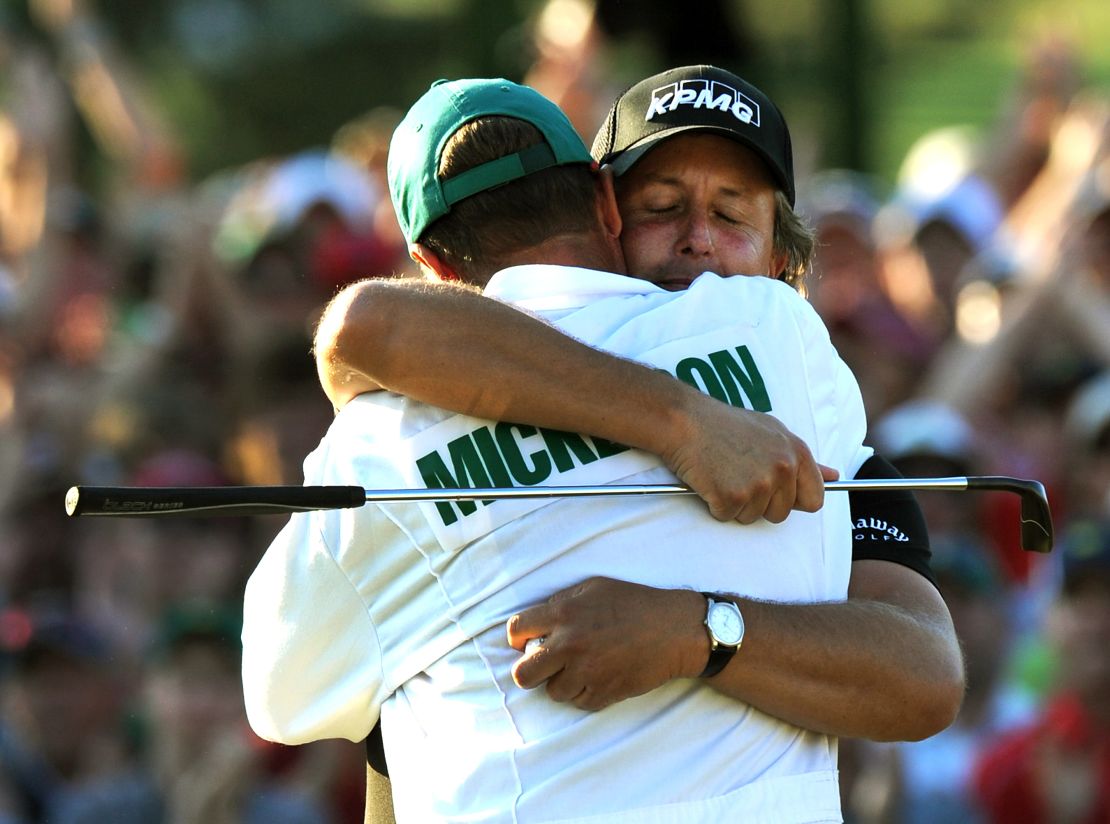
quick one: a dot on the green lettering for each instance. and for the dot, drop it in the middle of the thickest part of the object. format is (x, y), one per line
(469, 472)
(701, 376)
(560, 445)
(435, 474)
(488, 458)
(739, 378)
(526, 475)
(491, 457)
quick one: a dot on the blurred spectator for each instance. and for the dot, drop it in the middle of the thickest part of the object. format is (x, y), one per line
(1058, 769)
(1087, 461)
(365, 142)
(928, 439)
(62, 742)
(930, 781)
(293, 232)
(298, 229)
(202, 763)
(129, 571)
(1040, 322)
(188, 757)
(846, 291)
(1030, 114)
(943, 215)
(35, 542)
(569, 65)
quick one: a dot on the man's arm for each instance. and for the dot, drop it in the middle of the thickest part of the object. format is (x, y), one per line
(849, 669)
(446, 345)
(433, 342)
(885, 665)
(311, 664)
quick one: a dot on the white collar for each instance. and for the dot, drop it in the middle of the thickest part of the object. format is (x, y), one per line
(547, 287)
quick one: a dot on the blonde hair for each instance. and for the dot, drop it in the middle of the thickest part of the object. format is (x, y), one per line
(795, 239)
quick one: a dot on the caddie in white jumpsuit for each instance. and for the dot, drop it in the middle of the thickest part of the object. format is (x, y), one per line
(401, 608)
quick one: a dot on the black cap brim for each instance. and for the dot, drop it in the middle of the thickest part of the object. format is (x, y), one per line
(628, 158)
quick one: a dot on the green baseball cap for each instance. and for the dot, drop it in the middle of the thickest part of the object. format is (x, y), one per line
(419, 196)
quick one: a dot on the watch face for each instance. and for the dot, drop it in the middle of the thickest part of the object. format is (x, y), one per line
(726, 624)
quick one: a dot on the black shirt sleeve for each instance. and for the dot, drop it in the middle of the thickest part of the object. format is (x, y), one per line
(375, 750)
(888, 525)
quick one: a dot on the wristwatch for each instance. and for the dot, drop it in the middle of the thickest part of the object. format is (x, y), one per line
(725, 626)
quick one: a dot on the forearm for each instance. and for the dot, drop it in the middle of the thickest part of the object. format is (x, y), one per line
(455, 348)
(884, 665)
(967, 375)
(863, 669)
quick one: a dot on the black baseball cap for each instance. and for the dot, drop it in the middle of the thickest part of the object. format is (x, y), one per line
(695, 98)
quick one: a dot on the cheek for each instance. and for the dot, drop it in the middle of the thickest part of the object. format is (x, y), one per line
(645, 249)
(741, 255)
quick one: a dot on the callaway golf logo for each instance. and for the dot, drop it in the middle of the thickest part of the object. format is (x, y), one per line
(703, 94)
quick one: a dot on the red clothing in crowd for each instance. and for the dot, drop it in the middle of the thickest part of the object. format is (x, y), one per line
(1063, 760)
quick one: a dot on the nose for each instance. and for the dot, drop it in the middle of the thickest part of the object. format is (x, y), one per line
(697, 236)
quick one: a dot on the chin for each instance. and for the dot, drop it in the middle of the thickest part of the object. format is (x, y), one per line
(675, 284)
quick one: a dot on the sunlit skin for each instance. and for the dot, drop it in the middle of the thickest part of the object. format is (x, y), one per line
(698, 203)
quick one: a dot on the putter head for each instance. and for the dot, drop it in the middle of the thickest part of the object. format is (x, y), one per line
(1036, 518)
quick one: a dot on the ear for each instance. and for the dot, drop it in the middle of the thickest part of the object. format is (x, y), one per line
(778, 264)
(432, 264)
(609, 213)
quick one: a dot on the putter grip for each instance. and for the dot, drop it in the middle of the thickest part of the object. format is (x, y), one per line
(122, 501)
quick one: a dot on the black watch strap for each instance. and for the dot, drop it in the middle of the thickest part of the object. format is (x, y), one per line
(718, 657)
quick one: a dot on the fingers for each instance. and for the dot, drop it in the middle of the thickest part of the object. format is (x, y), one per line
(811, 482)
(527, 631)
(757, 506)
(589, 701)
(782, 487)
(603, 640)
(795, 482)
(538, 664)
(526, 625)
(761, 471)
(785, 498)
(545, 633)
(565, 688)
(565, 685)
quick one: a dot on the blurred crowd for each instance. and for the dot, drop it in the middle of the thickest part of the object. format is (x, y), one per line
(156, 332)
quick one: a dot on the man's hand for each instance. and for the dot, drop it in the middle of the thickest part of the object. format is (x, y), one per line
(606, 640)
(745, 465)
(885, 665)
